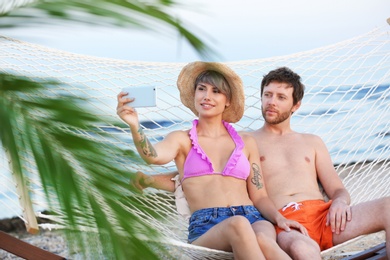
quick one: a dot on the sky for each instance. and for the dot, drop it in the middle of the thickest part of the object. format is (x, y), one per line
(238, 30)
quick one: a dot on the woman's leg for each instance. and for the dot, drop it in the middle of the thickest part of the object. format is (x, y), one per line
(232, 234)
(266, 239)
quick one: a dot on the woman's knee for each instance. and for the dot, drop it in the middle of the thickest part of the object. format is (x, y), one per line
(239, 225)
(264, 237)
(265, 241)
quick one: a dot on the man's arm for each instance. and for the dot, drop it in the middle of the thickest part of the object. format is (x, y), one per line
(339, 212)
(140, 181)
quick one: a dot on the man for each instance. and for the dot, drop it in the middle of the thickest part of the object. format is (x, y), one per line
(292, 165)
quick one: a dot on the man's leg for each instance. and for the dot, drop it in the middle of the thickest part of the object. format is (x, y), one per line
(299, 246)
(367, 217)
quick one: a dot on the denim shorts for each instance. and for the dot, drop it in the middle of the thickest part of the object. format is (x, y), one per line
(204, 219)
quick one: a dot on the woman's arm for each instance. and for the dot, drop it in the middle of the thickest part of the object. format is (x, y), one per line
(255, 182)
(258, 193)
(164, 181)
(162, 152)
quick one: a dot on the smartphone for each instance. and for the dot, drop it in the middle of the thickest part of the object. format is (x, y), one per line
(144, 96)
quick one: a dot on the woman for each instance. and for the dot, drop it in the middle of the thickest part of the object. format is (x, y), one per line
(219, 168)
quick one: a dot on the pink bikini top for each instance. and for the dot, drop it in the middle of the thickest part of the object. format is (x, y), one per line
(198, 164)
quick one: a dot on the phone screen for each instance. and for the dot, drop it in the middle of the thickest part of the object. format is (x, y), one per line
(144, 96)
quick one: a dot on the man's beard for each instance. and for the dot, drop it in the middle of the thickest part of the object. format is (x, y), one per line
(279, 119)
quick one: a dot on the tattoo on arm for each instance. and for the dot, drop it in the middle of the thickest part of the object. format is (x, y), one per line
(145, 144)
(257, 178)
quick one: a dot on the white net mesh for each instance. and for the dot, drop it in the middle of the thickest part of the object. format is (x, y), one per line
(347, 103)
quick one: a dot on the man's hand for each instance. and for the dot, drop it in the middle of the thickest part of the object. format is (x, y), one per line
(338, 216)
(287, 224)
(140, 181)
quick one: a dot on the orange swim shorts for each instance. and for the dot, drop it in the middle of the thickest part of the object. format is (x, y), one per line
(312, 215)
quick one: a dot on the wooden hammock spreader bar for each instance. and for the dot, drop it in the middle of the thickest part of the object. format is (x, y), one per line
(25, 250)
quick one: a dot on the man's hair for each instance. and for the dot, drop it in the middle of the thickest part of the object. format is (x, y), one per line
(217, 80)
(285, 75)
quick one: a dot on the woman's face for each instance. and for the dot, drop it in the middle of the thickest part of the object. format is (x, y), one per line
(209, 100)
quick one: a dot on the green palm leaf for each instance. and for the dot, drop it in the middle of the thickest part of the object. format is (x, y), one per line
(147, 15)
(83, 182)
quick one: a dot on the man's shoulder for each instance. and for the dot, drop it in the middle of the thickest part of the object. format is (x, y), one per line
(307, 135)
(246, 135)
(260, 133)
(252, 133)
(310, 136)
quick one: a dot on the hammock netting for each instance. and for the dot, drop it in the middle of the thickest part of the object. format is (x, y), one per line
(347, 103)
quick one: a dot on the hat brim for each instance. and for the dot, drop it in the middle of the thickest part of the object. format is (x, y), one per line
(186, 85)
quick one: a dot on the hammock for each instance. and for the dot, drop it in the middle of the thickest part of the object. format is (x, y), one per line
(347, 103)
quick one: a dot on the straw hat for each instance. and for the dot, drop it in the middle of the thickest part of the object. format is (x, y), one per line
(186, 85)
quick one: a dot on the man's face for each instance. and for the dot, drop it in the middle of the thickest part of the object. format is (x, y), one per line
(277, 102)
